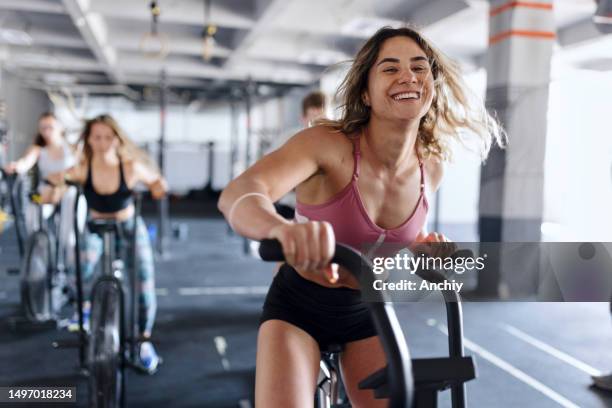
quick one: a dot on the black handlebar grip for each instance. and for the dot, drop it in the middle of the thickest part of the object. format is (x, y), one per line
(271, 250)
(72, 183)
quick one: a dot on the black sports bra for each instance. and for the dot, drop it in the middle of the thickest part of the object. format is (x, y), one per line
(107, 203)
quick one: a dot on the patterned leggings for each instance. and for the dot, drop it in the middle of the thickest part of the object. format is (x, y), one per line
(91, 251)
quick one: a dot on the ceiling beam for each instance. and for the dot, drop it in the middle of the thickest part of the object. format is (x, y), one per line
(187, 12)
(423, 12)
(265, 13)
(55, 38)
(134, 65)
(93, 29)
(23, 58)
(40, 6)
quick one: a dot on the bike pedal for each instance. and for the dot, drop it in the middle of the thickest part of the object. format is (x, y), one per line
(61, 344)
(25, 324)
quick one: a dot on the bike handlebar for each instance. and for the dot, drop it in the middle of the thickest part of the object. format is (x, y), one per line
(399, 364)
(401, 380)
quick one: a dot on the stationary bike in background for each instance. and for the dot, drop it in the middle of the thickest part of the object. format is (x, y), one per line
(11, 193)
(47, 258)
(111, 343)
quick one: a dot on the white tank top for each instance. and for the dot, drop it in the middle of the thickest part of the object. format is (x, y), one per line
(48, 165)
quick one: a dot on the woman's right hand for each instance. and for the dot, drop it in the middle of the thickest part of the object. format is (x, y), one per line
(159, 189)
(308, 247)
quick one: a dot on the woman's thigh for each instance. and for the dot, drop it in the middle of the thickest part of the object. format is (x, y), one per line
(358, 360)
(287, 366)
(91, 251)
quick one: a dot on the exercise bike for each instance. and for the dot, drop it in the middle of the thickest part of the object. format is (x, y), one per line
(330, 391)
(45, 289)
(44, 285)
(111, 344)
(406, 383)
(11, 192)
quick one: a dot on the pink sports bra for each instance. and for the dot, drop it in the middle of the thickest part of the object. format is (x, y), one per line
(350, 220)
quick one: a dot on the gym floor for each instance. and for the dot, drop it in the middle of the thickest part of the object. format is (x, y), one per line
(209, 300)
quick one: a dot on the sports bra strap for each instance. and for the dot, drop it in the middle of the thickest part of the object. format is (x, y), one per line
(122, 181)
(89, 180)
(356, 158)
(422, 170)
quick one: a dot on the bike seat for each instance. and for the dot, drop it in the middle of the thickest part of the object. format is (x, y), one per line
(332, 348)
(98, 226)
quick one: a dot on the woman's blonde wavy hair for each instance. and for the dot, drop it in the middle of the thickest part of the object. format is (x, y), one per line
(127, 150)
(451, 112)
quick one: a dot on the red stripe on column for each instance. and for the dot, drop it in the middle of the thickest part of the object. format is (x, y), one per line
(515, 4)
(547, 35)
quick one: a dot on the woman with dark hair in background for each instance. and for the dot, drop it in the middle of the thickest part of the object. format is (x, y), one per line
(53, 156)
(360, 180)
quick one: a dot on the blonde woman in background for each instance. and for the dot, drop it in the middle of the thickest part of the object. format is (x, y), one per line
(110, 166)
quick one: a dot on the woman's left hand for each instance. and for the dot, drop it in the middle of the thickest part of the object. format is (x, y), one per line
(159, 189)
(433, 244)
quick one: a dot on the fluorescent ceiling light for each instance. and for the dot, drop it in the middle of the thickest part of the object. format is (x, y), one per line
(15, 37)
(602, 19)
(35, 59)
(59, 78)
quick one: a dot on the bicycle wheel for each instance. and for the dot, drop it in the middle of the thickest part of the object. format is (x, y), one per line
(104, 349)
(36, 278)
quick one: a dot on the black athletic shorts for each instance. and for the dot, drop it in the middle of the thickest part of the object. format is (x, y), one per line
(329, 315)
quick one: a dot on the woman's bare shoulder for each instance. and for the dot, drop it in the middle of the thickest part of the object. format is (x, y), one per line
(322, 139)
(133, 168)
(129, 163)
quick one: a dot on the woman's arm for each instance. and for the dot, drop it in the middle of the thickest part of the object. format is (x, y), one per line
(246, 202)
(77, 173)
(53, 192)
(152, 179)
(26, 162)
(70, 161)
(57, 179)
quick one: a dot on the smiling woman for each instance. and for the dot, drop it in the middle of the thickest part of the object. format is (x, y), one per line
(361, 180)
(449, 110)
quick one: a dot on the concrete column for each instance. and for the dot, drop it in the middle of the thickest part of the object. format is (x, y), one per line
(521, 38)
(23, 106)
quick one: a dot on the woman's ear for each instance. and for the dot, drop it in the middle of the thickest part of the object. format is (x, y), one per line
(366, 99)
